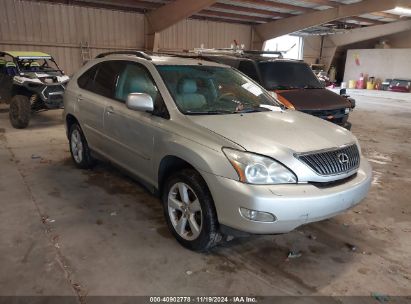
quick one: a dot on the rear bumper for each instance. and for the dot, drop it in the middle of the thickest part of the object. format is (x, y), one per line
(292, 205)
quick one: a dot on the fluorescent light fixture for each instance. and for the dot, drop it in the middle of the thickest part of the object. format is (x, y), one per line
(403, 11)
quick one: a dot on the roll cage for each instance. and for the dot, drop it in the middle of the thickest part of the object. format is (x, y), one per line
(29, 57)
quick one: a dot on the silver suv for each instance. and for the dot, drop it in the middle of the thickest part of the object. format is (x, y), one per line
(225, 158)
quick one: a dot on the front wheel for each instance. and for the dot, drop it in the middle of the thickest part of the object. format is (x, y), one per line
(80, 152)
(189, 211)
(20, 111)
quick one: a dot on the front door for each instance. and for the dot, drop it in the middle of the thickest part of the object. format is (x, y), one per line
(132, 134)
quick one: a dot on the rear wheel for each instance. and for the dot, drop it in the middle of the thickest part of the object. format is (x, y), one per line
(20, 111)
(80, 152)
(189, 211)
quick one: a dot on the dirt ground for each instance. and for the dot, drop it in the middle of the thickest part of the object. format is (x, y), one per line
(70, 232)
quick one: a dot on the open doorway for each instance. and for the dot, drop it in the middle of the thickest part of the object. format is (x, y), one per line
(292, 46)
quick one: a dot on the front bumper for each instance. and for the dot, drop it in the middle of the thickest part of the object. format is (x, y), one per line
(293, 205)
(347, 125)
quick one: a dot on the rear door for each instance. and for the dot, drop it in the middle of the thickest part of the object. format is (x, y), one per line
(97, 87)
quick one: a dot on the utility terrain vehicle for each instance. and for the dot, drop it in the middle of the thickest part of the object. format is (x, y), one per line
(30, 82)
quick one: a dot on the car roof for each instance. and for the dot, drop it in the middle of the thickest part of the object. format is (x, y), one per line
(174, 60)
(171, 60)
(27, 54)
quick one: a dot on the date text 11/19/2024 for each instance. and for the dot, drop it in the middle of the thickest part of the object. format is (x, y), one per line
(203, 299)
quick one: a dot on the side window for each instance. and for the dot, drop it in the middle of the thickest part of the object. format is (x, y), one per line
(102, 78)
(106, 78)
(86, 81)
(135, 78)
(248, 68)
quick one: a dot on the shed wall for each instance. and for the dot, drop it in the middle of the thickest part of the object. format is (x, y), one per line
(60, 30)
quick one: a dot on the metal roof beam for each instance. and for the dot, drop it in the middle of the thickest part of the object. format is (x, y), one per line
(250, 18)
(370, 32)
(335, 4)
(276, 5)
(245, 10)
(173, 12)
(289, 25)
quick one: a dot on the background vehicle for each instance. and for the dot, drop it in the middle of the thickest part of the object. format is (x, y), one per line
(400, 85)
(30, 82)
(293, 82)
(217, 147)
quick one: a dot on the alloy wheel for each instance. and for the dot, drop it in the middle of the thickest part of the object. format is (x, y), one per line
(77, 146)
(185, 211)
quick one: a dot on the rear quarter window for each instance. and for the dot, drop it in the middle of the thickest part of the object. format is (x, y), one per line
(86, 81)
(102, 78)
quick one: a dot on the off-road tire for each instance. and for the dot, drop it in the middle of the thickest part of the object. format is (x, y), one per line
(20, 111)
(87, 161)
(209, 235)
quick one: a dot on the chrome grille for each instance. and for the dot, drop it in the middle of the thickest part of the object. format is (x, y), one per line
(332, 162)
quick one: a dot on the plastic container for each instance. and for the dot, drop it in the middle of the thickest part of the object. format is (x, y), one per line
(352, 84)
(370, 85)
(361, 82)
(343, 85)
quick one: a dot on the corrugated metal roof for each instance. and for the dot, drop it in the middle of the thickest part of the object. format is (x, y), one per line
(251, 11)
(251, 5)
(297, 3)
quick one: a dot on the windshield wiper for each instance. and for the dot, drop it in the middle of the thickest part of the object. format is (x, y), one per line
(252, 110)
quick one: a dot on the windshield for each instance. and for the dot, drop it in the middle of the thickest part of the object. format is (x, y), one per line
(288, 75)
(43, 65)
(400, 83)
(214, 90)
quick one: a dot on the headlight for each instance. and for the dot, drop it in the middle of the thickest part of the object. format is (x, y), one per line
(256, 169)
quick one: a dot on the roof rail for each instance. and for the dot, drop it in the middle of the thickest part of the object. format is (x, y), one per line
(139, 54)
(264, 53)
(236, 52)
(186, 55)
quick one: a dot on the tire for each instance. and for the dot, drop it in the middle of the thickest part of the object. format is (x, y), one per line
(180, 216)
(20, 111)
(80, 152)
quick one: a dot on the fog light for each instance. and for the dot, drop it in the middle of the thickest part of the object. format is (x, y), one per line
(257, 216)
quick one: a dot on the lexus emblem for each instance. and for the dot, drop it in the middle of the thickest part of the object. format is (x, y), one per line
(343, 158)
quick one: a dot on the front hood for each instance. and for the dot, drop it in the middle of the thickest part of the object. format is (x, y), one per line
(271, 133)
(314, 99)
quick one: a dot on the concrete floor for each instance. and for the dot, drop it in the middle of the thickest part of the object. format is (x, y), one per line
(70, 232)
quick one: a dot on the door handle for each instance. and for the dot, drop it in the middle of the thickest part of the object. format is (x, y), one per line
(110, 110)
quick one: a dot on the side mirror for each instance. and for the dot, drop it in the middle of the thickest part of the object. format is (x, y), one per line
(140, 102)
